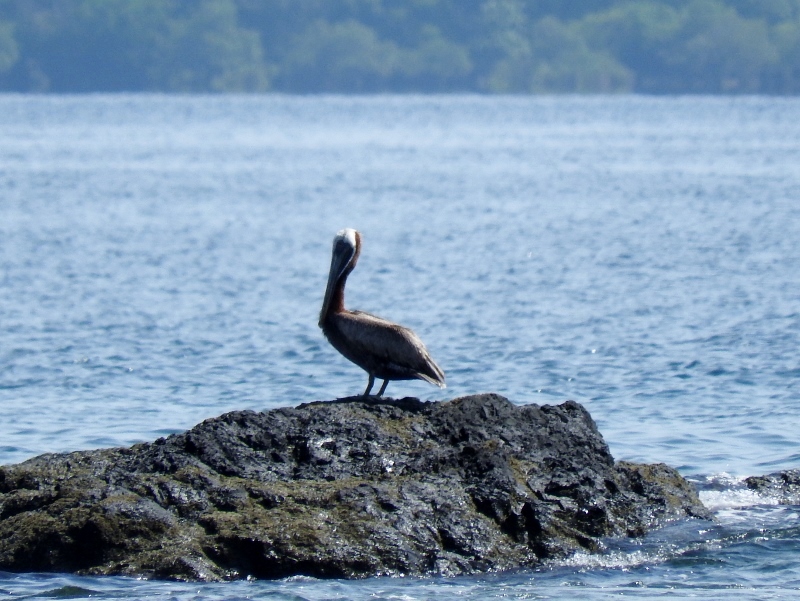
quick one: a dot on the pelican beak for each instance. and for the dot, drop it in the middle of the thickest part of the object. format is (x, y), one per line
(340, 259)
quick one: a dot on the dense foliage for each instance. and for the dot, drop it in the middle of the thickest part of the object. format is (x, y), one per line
(655, 46)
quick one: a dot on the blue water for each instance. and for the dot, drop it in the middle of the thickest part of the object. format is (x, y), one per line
(163, 259)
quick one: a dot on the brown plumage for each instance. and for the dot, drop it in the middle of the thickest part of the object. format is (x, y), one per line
(383, 349)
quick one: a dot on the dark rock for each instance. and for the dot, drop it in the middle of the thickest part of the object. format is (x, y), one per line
(349, 488)
(781, 486)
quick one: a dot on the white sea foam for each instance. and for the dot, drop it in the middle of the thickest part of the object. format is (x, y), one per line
(615, 559)
(717, 500)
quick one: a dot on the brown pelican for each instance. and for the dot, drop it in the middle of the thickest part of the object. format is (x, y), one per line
(383, 349)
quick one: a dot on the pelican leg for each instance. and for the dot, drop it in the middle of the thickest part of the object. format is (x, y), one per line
(369, 385)
(385, 384)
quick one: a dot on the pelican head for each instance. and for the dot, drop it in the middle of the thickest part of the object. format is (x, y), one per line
(346, 248)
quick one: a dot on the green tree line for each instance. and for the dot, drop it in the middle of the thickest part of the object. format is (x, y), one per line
(360, 46)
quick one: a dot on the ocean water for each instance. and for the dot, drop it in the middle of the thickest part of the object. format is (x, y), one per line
(163, 259)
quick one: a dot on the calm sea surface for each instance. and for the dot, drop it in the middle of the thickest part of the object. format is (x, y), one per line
(163, 259)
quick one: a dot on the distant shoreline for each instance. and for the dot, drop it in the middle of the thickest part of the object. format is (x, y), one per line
(442, 46)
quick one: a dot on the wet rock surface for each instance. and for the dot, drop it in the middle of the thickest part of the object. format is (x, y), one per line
(349, 488)
(781, 486)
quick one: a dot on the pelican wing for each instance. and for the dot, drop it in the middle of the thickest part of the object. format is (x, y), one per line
(389, 344)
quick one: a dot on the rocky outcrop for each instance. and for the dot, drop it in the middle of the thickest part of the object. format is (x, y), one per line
(783, 487)
(348, 488)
